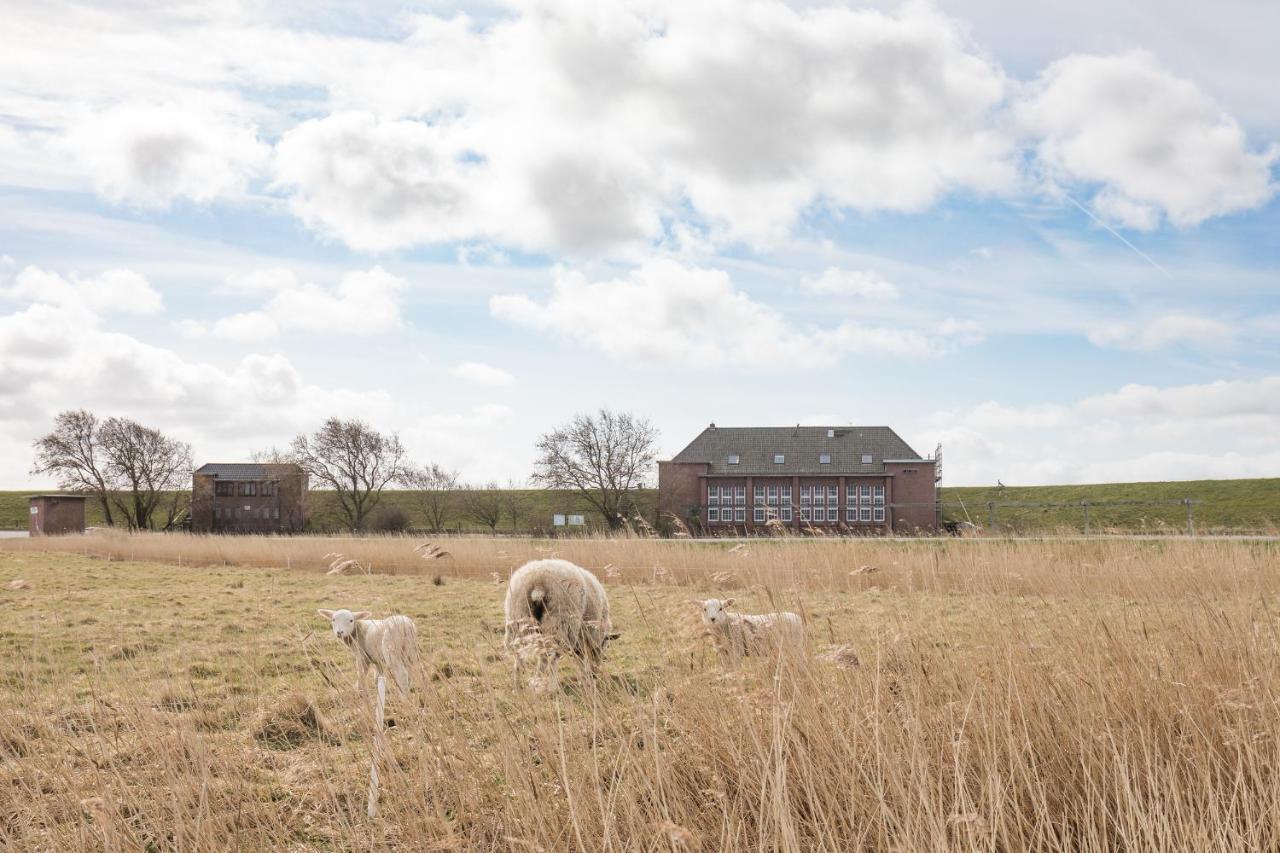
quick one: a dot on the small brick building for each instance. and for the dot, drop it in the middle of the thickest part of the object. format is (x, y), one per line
(243, 497)
(854, 479)
(56, 515)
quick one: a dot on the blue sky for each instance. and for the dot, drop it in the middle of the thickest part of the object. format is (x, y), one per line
(1044, 239)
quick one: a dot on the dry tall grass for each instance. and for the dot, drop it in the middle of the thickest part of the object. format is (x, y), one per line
(1010, 696)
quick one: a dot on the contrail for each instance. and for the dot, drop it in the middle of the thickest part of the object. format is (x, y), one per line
(1118, 235)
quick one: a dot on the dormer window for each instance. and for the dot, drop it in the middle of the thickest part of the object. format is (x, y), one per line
(779, 458)
(824, 459)
(866, 459)
(733, 459)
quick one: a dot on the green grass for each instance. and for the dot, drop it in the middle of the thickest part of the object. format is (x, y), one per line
(537, 508)
(1226, 505)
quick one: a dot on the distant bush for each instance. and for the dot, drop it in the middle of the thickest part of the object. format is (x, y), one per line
(390, 519)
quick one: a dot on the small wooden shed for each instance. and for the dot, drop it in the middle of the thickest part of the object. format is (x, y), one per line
(56, 515)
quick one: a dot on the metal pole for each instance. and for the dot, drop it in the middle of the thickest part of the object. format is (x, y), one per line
(991, 516)
(1085, 504)
(1191, 523)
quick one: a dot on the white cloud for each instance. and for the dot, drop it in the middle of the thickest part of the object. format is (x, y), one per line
(837, 282)
(1153, 144)
(114, 291)
(579, 127)
(1167, 331)
(247, 327)
(363, 303)
(665, 311)
(1215, 399)
(482, 374)
(150, 155)
(1138, 432)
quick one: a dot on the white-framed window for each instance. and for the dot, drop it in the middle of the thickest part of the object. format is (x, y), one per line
(851, 494)
(713, 496)
(866, 459)
(759, 490)
(779, 458)
(787, 514)
(757, 514)
(806, 514)
(865, 513)
(740, 495)
(864, 494)
(786, 496)
(773, 496)
(879, 513)
(713, 514)
(806, 495)
(739, 514)
(824, 458)
(878, 492)
(819, 496)
(733, 459)
(833, 495)
(833, 514)
(851, 513)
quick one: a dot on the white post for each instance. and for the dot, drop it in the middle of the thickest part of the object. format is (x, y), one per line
(377, 744)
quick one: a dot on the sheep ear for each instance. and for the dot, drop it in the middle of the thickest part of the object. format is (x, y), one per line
(728, 602)
(327, 614)
(363, 614)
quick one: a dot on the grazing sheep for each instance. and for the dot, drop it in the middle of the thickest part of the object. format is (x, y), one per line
(555, 607)
(739, 635)
(389, 645)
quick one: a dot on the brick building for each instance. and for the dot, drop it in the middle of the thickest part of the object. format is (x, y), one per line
(856, 479)
(243, 497)
(55, 515)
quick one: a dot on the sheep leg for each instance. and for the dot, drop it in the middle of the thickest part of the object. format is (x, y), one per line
(401, 673)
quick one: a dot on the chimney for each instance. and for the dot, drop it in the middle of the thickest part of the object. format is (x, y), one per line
(712, 427)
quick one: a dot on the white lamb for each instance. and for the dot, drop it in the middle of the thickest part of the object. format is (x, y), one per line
(739, 635)
(554, 607)
(388, 645)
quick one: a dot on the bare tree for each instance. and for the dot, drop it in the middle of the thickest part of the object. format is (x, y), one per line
(604, 457)
(145, 466)
(434, 495)
(72, 455)
(516, 503)
(132, 470)
(354, 460)
(484, 504)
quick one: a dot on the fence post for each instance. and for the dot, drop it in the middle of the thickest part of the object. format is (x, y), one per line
(1191, 522)
(991, 516)
(1085, 504)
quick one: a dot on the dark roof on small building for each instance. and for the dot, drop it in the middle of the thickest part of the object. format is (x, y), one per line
(801, 447)
(242, 470)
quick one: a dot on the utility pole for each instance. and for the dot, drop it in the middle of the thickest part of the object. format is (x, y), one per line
(1085, 504)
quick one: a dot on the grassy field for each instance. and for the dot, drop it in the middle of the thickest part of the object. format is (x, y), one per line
(1083, 695)
(1227, 505)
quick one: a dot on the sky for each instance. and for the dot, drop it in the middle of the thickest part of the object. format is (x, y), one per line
(1043, 236)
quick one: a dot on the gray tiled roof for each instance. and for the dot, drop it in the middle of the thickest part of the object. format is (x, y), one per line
(234, 470)
(801, 447)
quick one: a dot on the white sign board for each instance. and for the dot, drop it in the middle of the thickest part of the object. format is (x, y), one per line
(577, 520)
(35, 510)
(557, 520)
